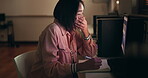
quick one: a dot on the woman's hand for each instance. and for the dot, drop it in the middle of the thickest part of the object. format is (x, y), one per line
(90, 64)
(81, 23)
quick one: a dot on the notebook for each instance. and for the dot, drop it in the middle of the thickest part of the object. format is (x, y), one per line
(104, 68)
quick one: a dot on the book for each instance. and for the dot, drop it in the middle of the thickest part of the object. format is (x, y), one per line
(103, 68)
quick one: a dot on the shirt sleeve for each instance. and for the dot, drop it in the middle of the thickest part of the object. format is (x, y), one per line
(52, 67)
(85, 47)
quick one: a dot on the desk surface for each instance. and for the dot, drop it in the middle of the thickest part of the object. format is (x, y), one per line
(122, 68)
(96, 75)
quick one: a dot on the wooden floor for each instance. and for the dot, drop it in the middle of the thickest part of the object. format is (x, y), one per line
(7, 66)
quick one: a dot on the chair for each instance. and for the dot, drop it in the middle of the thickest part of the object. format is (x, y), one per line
(23, 63)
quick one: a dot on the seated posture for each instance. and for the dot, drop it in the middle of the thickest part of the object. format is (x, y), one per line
(61, 42)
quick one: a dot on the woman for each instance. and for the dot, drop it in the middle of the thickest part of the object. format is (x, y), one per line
(61, 41)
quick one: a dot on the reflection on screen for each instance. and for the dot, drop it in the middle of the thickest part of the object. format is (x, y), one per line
(124, 34)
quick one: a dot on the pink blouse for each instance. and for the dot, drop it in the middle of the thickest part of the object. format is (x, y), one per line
(55, 51)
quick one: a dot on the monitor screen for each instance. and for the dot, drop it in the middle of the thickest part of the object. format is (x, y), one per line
(110, 37)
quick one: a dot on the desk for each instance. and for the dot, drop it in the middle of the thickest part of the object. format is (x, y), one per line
(96, 75)
(103, 72)
(122, 68)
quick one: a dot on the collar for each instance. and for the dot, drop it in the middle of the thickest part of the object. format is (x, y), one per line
(62, 29)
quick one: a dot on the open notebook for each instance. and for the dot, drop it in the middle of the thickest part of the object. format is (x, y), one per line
(104, 68)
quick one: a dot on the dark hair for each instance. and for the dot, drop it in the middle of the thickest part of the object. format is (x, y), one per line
(65, 12)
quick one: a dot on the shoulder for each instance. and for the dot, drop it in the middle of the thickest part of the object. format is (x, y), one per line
(52, 28)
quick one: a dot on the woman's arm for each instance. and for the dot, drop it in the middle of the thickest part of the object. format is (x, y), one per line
(86, 45)
(52, 67)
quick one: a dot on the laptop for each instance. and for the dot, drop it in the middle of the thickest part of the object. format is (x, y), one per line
(124, 34)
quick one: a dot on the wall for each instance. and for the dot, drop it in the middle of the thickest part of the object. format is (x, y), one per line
(130, 7)
(28, 7)
(29, 28)
(94, 8)
(28, 25)
(125, 6)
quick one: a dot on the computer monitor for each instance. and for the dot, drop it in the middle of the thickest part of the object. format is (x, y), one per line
(136, 30)
(116, 34)
(110, 37)
(135, 34)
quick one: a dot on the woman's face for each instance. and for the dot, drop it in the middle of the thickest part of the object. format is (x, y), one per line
(80, 11)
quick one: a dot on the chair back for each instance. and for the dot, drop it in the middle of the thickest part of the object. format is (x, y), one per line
(23, 63)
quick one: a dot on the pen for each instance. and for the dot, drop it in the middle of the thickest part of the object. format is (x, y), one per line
(87, 57)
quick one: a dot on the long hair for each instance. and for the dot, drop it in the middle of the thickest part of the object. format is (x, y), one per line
(65, 12)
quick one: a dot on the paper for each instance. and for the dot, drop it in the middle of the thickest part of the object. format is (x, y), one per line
(104, 68)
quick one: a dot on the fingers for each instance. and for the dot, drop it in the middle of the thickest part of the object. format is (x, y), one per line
(97, 65)
(79, 26)
(81, 23)
(81, 19)
(96, 59)
(98, 62)
(92, 64)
